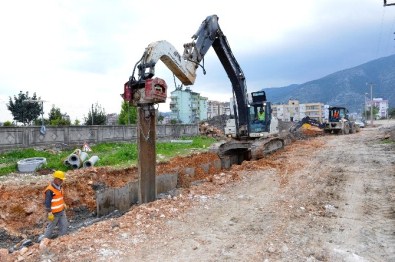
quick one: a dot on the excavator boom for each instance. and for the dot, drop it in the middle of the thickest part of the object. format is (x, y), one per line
(248, 132)
(184, 67)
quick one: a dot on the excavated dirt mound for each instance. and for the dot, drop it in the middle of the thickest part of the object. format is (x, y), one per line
(21, 195)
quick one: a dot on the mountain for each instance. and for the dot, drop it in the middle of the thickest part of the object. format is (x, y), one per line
(344, 88)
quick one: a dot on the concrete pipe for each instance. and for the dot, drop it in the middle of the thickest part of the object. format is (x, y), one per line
(66, 162)
(76, 160)
(73, 157)
(91, 162)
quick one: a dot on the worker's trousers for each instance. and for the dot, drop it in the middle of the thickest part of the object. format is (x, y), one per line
(60, 221)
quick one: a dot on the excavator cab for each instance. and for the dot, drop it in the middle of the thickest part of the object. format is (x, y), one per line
(337, 113)
(259, 114)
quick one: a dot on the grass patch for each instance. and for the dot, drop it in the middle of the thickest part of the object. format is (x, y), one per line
(387, 141)
(110, 154)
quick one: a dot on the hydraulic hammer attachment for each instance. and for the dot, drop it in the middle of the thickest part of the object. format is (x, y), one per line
(149, 91)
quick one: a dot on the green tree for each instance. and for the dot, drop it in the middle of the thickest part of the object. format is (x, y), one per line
(24, 108)
(160, 118)
(96, 116)
(128, 114)
(391, 113)
(77, 122)
(56, 118)
(39, 122)
(375, 112)
(8, 123)
(174, 121)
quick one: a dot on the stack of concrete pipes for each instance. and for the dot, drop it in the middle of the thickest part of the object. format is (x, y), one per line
(79, 159)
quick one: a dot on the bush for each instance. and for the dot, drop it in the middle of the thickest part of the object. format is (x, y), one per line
(8, 123)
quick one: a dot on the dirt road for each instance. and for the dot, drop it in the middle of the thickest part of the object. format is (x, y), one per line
(329, 198)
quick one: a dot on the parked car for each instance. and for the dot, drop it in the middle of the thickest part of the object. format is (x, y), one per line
(360, 123)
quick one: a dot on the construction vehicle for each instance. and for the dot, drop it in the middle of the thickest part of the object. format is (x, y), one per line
(338, 121)
(249, 138)
(306, 121)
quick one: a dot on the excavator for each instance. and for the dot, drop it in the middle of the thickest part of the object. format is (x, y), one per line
(249, 138)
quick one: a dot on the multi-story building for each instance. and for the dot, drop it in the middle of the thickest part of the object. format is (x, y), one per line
(315, 111)
(112, 119)
(294, 111)
(215, 108)
(287, 112)
(203, 101)
(187, 106)
(382, 106)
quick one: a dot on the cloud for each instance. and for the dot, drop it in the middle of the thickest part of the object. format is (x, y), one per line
(76, 53)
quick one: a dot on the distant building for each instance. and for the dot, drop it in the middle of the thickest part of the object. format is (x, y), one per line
(294, 111)
(313, 110)
(216, 108)
(66, 117)
(166, 120)
(203, 107)
(381, 104)
(112, 119)
(187, 106)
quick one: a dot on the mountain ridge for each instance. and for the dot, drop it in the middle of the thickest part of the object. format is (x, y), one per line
(346, 87)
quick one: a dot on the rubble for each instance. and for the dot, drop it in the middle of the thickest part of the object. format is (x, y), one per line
(287, 208)
(210, 130)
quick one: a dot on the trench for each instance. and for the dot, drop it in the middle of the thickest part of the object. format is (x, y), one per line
(116, 196)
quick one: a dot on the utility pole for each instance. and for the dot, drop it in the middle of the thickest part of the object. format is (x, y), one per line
(371, 104)
(92, 114)
(366, 106)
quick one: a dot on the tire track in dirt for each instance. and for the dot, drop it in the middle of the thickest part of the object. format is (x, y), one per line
(366, 214)
(379, 203)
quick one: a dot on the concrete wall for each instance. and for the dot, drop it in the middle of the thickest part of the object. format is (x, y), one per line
(24, 137)
(122, 198)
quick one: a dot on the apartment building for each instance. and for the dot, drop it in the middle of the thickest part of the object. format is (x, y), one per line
(216, 108)
(294, 111)
(187, 106)
(315, 111)
(382, 106)
(287, 112)
(112, 119)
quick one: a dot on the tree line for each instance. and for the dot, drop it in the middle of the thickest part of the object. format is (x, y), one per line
(28, 110)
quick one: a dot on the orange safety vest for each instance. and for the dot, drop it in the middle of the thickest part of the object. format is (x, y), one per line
(57, 203)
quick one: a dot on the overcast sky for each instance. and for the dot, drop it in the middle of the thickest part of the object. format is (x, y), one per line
(77, 53)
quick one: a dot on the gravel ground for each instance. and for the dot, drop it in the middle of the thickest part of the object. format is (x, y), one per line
(327, 198)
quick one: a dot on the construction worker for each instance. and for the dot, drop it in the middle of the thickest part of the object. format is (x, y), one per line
(55, 205)
(336, 114)
(261, 115)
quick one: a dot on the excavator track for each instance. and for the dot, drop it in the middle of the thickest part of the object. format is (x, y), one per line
(233, 151)
(237, 151)
(263, 147)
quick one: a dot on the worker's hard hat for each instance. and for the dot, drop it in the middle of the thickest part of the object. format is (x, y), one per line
(59, 174)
